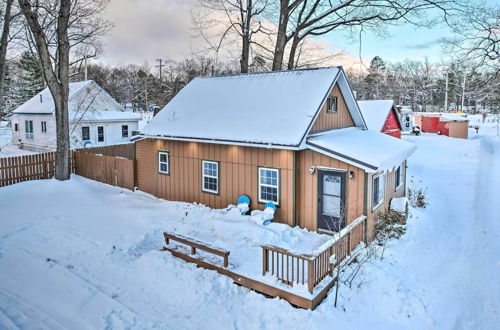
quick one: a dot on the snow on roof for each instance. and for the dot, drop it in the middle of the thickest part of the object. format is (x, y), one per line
(268, 108)
(367, 149)
(102, 115)
(82, 95)
(375, 112)
(454, 117)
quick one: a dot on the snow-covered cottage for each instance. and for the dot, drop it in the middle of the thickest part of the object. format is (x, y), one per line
(294, 138)
(381, 116)
(95, 118)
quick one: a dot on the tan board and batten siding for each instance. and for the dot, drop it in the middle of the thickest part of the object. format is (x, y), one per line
(342, 118)
(238, 168)
(238, 171)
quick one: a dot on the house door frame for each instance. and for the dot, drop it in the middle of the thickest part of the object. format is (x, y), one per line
(326, 222)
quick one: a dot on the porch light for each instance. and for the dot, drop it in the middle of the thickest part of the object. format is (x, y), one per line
(312, 169)
(351, 175)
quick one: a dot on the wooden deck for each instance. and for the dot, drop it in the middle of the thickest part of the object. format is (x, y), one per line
(257, 286)
(315, 271)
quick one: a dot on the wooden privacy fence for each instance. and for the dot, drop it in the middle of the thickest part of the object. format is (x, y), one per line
(115, 171)
(25, 168)
(292, 268)
(118, 150)
(111, 170)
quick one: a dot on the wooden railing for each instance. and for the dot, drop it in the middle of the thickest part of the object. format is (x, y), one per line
(196, 245)
(293, 268)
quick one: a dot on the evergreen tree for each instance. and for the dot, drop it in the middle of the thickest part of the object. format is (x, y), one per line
(30, 77)
(375, 78)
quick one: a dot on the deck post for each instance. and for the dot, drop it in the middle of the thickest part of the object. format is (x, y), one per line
(226, 260)
(264, 261)
(310, 275)
(193, 250)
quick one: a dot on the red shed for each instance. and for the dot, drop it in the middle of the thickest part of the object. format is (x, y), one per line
(381, 116)
(452, 125)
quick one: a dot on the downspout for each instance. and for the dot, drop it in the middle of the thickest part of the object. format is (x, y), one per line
(365, 208)
(294, 189)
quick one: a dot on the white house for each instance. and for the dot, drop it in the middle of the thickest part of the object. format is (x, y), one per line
(96, 119)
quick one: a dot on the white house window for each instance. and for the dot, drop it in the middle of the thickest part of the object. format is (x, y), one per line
(210, 176)
(44, 126)
(28, 126)
(85, 133)
(331, 104)
(100, 133)
(124, 131)
(164, 162)
(399, 176)
(268, 185)
(377, 190)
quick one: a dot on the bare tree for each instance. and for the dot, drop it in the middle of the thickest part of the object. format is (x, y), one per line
(299, 19)
(236, 17)
(55, 27)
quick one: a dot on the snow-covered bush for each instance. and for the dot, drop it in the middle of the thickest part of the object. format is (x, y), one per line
(416, 195)
(390, 224)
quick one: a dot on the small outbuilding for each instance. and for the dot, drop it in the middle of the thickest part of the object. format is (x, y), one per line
(381, 116)
(449, 124)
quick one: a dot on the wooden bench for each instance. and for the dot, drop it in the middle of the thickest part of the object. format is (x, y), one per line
(196, 245)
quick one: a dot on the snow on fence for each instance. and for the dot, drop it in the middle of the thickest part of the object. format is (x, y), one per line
(118, 172)
(292, 268)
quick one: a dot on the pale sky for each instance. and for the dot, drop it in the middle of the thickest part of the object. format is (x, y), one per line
(146, 30)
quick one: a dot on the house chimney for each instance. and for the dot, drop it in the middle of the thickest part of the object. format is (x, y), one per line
(41, 98)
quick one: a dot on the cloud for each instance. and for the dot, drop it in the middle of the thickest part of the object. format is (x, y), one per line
(428, 44)
(146, 30)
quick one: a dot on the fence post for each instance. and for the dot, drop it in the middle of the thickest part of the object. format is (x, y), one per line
(366, 230)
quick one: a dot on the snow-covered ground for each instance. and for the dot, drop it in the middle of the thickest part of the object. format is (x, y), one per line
(81, 254)
(10, 150)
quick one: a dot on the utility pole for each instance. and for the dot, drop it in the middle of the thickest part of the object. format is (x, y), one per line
(463, 93)
(85, 64)
(446, 93)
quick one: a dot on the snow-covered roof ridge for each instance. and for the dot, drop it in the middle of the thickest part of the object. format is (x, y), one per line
(43, 103)
(375, 112)
(367, 149)
(268, 108)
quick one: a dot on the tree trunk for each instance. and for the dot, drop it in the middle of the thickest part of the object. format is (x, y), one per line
(281, 39)
(57, 78)
(245, 49)
(293, 52)
(4, 40)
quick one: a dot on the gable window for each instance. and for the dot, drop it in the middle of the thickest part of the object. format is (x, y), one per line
(331, 104)
(210, 176)
(269, 185)
(124, 131)
(100, 133)
(85, 133)
(377, 191)
(163, 162)
(44, 126)
(28, 128)
(16, 127)
(399, 176)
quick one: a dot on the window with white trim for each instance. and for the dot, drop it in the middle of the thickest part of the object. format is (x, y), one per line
(28, 127)
(124, 131)
(85, 133)
(331, 104)
(210, 176)
(164, 162)
(44, 126)
(377, 190)
(399, 176)
(269, 185)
